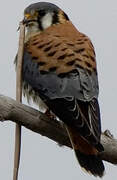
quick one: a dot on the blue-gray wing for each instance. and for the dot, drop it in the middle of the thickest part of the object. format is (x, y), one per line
(67, 82)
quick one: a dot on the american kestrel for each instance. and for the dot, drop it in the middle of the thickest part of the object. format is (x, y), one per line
(59, 67)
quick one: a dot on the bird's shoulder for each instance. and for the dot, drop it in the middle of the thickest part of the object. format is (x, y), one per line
(62, 48)
(64, 52)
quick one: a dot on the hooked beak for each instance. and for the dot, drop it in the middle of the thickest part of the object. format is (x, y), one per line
(28, 19)
(27, 22)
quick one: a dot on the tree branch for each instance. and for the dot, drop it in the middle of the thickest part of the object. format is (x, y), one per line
(53, 129)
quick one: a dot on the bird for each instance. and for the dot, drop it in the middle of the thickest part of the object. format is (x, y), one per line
(60, 73)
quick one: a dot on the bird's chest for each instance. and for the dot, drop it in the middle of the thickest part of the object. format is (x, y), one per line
(30, 83)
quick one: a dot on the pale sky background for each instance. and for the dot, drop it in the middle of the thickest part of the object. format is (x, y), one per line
(42, 158)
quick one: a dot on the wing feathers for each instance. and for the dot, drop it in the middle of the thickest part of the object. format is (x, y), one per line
(59, 65)
(86, 154)
(74, 114)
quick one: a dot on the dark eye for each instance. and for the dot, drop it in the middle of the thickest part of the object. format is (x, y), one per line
(42, 12)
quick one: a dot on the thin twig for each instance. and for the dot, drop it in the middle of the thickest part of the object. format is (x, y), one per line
(19, 99)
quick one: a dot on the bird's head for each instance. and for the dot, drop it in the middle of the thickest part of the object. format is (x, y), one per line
(41, 15)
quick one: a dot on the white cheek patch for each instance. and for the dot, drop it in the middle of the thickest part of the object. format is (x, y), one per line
(47, 20)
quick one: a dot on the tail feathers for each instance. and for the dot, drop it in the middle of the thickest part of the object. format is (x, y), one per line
(91, 163)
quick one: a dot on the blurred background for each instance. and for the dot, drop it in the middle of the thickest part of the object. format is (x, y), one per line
(42, 158)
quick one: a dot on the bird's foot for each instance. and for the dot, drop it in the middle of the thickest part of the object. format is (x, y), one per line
(50, 114)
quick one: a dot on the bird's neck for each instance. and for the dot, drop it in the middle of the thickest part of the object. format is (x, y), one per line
(31, 31)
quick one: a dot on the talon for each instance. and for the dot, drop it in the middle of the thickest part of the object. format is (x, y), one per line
(50, 114)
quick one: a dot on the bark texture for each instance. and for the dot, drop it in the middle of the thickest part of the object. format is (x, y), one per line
(10, 110)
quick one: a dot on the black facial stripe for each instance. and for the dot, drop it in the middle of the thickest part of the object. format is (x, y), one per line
(55, 18)
(42, 12)
(40, 23)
